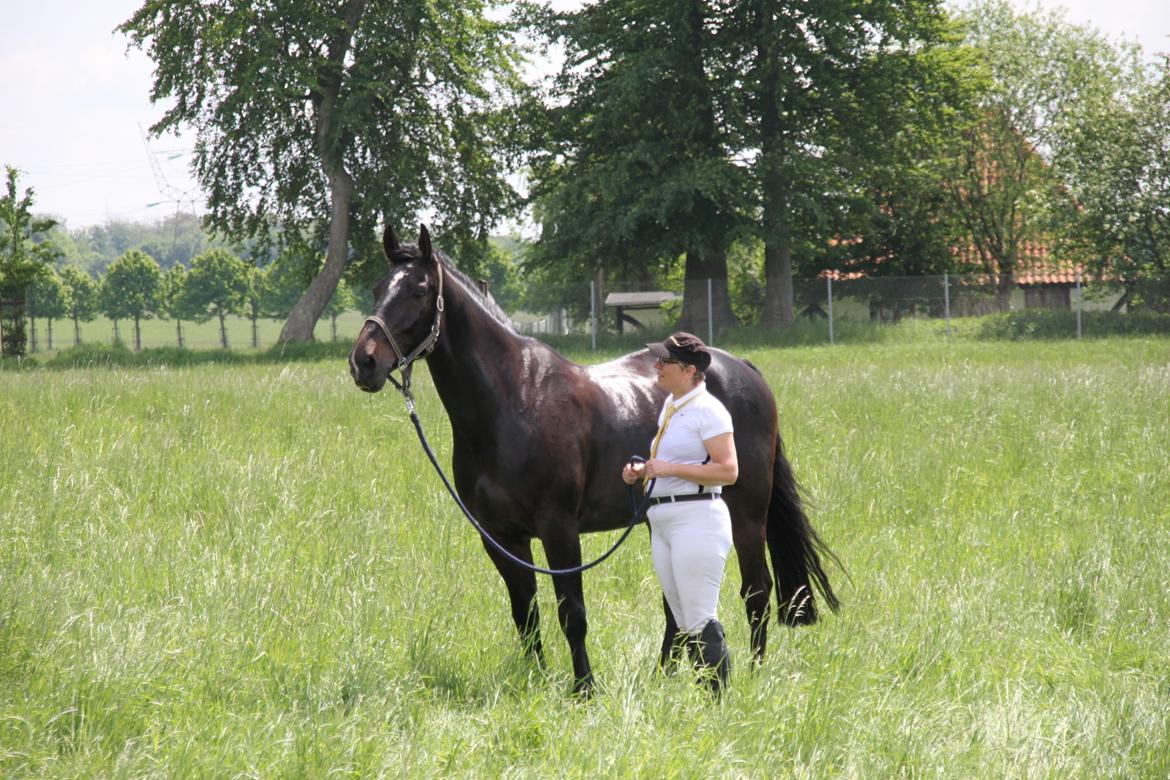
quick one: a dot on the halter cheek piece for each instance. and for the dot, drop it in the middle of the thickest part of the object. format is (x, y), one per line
(405, 361)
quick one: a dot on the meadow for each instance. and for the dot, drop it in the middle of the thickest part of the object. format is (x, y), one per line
(158, 333)
(250, 570)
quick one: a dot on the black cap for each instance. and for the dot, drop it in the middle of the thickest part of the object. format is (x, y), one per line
(683, 347)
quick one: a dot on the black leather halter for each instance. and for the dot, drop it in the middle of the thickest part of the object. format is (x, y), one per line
(405, 361)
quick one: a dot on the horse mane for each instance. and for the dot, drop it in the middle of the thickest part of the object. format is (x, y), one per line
(483, 299)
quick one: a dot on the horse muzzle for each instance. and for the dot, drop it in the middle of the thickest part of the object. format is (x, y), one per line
(367, 371)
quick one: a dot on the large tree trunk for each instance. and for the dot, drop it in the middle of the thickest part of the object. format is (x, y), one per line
(304, 315)
(1004, 287)
(778, 293)
(703, 313)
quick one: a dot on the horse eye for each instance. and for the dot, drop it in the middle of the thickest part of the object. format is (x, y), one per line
(419, 292)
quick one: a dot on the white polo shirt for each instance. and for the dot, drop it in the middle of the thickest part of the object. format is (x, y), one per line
(701, 417)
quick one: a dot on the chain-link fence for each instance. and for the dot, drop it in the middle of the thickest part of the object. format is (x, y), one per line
(825, 310)
(829, 308)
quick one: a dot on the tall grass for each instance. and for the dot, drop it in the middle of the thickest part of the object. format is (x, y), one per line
(249, 569)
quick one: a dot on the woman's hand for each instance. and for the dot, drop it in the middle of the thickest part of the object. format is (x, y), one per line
(632, 472)
(655, 468)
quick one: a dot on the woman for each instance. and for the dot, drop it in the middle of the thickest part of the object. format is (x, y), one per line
(691, 457)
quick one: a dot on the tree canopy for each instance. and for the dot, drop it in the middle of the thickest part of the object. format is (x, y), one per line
(682, 126)
(1039, 69)
(84, 297)
(22, 256)
(131, 289)
(1115, 163)
(328, 119)
(216, 286)
(25, 254)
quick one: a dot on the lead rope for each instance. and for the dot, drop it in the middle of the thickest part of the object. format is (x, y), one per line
(639, 510)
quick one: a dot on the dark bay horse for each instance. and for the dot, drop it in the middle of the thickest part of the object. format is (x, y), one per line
(539, 443)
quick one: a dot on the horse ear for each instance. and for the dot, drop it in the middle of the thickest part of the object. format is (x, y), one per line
(389, 242)
(424, 243)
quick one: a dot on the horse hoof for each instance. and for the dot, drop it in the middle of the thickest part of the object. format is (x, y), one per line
(584, 688)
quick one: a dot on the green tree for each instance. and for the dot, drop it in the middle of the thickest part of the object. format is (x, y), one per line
(84, 298)
(343, 300)
(685, 125)
(1115, 162)
(286, 279)
(23, 257)
(1040, 68)
(216, 286)
(835, 99)
(173, 301)
(329, 118)
(636, 169)
(130, 290)
(48, 297)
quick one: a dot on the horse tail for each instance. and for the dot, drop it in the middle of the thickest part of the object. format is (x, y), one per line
(796, 550)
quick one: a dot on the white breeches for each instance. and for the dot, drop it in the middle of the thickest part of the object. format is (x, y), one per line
(689, 543)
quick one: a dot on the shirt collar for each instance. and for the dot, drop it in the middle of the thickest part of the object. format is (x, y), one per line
(679, 402)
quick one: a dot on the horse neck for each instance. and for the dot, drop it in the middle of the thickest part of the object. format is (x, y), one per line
(473, 363)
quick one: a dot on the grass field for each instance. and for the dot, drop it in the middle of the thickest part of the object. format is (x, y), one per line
(196, 335)
(250, 570)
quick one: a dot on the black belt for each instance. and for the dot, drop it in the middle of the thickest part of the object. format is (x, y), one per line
(656, 500)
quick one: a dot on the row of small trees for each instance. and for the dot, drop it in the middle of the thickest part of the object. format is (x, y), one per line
(134, 287)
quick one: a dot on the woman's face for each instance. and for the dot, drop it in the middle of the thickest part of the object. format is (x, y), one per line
(674, 377)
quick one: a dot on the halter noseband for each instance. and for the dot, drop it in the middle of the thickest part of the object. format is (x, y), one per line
(405, 361)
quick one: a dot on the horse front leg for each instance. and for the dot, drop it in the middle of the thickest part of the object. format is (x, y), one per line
(564, 552)
(521, 585)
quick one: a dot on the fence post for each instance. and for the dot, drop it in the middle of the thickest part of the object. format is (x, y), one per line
(947, 301)
(829, 279)
(1078, 305)
(710, 316)
(593, 313)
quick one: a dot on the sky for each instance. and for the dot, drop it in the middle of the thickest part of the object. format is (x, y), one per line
(75, 101)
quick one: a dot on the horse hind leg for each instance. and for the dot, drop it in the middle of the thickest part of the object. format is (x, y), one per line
(748, 534)
(756, 590)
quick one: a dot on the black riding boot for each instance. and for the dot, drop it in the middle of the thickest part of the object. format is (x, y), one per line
(694, 651)
(714, 655)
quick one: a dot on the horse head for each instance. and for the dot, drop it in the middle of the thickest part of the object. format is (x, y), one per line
(407, 312)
